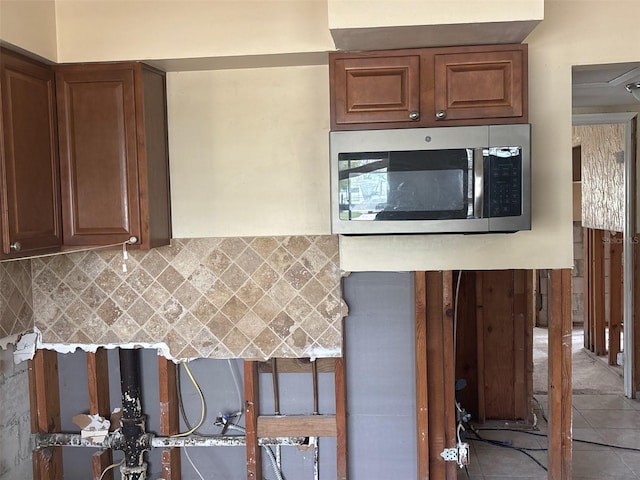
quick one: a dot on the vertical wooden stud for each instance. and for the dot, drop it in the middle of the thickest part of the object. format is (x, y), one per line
(520, 400)
(44, 391)
(598, 292)
(615, 297)
(449, 377)
(99, 404)
(560, 395)
(422, 402)
(586, 242)
(169, 416)
(342, 455)
(482, 413)
(252, 411)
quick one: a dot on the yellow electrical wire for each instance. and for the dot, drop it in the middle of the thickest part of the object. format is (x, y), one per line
(113, 465)
(202, 403)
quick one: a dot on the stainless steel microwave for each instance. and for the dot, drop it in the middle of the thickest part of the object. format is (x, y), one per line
(431, 180)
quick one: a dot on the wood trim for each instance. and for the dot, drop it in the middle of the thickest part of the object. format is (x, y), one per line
(560, 394)
(169, 416)
(99, 404)
(45, 413)
(252, 411)
(616, 301)
(422, 400)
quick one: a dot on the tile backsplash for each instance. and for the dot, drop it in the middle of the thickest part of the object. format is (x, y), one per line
(248, 297)
(16, 306)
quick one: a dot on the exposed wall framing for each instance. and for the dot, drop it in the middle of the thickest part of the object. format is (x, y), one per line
(435, 389)
(261, 426)
(560, 395)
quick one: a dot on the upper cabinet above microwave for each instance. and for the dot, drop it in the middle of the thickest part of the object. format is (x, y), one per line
(429, 87)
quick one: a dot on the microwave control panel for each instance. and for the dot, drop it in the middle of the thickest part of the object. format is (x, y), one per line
(504, 184)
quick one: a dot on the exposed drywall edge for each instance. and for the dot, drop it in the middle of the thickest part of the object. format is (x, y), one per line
(32, 341)
(10, 340)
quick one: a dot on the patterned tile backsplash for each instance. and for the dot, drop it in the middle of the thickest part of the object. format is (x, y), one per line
(16, 306)
(248, 297)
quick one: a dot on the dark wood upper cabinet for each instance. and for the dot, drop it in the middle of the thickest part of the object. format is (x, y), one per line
(114, 166)
(378, 89)
(30, 196)
(429, 87)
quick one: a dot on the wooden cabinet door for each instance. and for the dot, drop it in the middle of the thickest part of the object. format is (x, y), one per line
(480, 85)
(375, 90)
(29, 199)
(98, 154)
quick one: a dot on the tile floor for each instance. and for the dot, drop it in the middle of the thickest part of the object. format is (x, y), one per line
(601, 414)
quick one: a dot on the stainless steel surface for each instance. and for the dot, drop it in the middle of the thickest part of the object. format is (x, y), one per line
(478, 183)
(414, 115)
(15, 247)
(441, 114)
(406, 139)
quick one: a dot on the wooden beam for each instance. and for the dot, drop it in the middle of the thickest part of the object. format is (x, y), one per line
(530, 319)
(342, 451)
(586, 242)
(296, 426)
(44, 391)
(252, 411)
(560, 395)
(298, 365)
(99, 404)
(100, 461)
(169, 416)
(482, 411)
(616, 301)
(598, 293)
(422, 400)
(449, 377)
(521, 401)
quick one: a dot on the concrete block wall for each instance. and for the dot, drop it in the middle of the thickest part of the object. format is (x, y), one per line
(15, 420)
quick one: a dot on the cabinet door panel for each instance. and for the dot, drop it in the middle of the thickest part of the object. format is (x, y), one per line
(98, 156)
(377, 89)
(479, 85)
(30, 198)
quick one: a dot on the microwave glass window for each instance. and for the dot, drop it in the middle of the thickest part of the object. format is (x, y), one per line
(415, 185)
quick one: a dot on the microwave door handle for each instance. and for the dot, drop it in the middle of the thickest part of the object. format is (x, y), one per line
(478, 183)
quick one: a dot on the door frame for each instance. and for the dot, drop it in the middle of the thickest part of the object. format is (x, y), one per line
(628, 120)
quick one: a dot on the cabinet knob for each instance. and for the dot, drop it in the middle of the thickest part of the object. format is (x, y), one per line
(441, 114)
(414, 115)
(15, 247)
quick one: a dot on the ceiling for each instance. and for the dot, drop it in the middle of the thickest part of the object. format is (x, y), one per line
(602, 85)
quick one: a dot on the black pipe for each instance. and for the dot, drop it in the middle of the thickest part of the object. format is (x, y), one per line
(133, 421)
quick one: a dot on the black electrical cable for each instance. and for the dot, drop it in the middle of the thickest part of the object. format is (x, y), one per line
(504, 445)
(541, 409)
(631, 449)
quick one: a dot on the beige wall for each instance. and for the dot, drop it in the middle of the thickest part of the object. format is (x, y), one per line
(92, 30)
(30, 25)
(249, 151)
(277, 119)
(383, 13)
